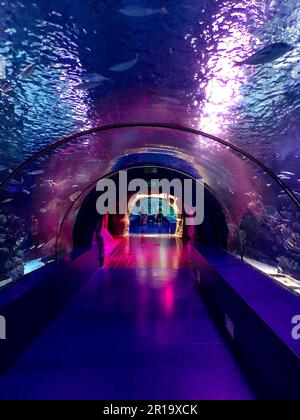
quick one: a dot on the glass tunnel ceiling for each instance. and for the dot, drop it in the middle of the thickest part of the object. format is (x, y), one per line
(184, 73)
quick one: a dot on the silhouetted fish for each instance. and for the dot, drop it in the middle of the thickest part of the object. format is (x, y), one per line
(142, 11)
(169, 99)
(94, 78)
(4, 83)
(5, 89)
(283, 177)
(296, 72)
(38, 172)
(88, 85)
(288, 173)
(125, 66)
(73, 197)
(25, 73)
(267, 54)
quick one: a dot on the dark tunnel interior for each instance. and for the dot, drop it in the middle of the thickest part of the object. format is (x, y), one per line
(213, 231)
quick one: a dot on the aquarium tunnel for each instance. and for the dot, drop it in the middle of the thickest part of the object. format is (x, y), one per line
(137, 303)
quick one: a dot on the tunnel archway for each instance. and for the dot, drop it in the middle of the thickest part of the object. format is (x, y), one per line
(213, 231)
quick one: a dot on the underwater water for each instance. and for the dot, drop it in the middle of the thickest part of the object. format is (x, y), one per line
(185, 72)
(69, 66)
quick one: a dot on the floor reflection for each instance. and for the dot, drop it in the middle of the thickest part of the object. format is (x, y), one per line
(150, 251)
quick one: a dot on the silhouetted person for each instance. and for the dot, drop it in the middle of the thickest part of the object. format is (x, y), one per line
(159, 218)
(100, 245)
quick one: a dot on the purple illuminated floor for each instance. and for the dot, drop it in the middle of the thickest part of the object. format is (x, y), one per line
(131, 333)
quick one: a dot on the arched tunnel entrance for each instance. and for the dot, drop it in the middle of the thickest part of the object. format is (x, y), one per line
(141, 288)
(88, 223)
(155, 214)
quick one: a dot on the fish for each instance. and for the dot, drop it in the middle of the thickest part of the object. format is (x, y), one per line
(27, 71)
(50, 244)
(73, 197)
(288, 173)
(3, 168)
(267, 54)
(56, 14)
(94, 78)
(283, 177)
(135, 11)
(88, 85)
(5, 89)
(16, 181)
(169, 99)
(8, 200)
(38, 172)
(296, 72)
(125, 66)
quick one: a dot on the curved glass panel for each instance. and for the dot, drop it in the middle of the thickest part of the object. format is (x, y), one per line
(39, 205)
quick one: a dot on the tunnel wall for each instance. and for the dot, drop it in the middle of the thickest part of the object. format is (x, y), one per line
(250, 317)
(39, 296)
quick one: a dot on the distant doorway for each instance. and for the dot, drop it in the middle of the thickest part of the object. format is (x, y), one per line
(155, 215)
